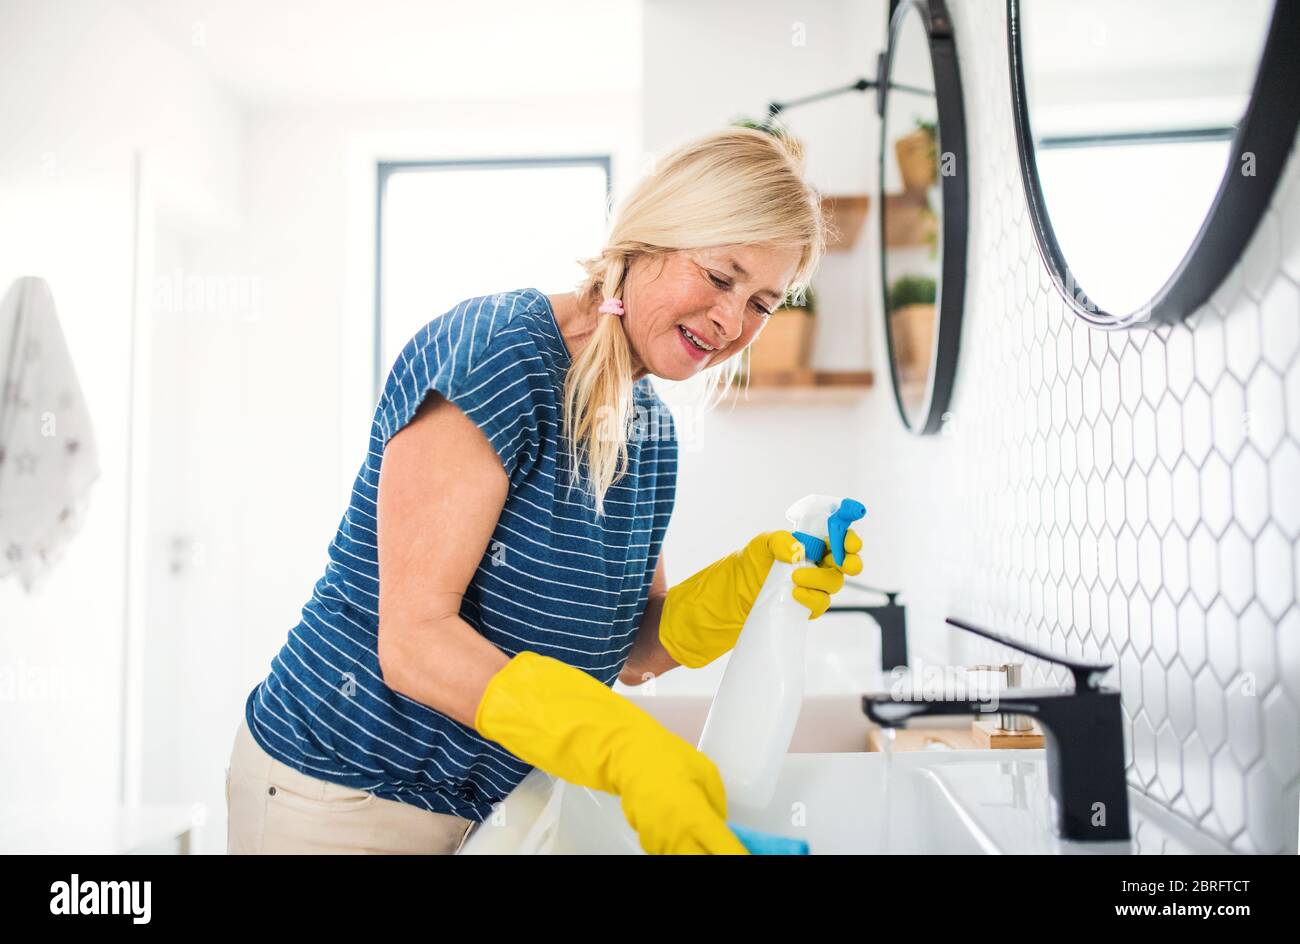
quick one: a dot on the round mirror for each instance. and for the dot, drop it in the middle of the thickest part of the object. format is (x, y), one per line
(923, 209)
(1151, 136)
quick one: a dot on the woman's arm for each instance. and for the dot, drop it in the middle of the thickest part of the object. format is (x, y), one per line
(648, 658)
(441, 491)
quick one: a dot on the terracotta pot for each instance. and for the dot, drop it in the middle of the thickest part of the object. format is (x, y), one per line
(846, 215)
(917, 162)
(912, 330)
(784, 343)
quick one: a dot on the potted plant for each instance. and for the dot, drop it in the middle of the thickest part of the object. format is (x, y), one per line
(918, 157)
(770, 126)
(743, 121)
(911, 308)
(909, 290)
(785, 341)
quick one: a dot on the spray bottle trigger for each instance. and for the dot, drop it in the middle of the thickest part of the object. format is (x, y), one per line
(814, 548)
(837, 526)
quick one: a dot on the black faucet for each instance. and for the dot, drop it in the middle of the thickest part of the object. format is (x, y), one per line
(1082, 729)
(892, 620)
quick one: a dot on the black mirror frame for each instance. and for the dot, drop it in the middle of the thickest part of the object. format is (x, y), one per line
(953, 190)
(1267, 130)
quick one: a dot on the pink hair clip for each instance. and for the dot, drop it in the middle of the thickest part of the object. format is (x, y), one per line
(612, 306)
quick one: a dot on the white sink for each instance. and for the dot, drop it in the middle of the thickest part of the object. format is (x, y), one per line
(859, 802)
(827, 723)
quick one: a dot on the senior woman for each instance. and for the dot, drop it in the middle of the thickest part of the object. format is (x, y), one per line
(498, 566)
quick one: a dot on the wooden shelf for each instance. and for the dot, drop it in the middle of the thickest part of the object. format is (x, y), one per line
(815, 385)
(812, 378)
(909, 223)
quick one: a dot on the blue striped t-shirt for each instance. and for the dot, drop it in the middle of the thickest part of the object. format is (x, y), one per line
(553, 579)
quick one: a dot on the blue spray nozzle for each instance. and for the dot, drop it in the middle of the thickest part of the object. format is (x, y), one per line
(808, 513)
(838, 525)
(761, 843)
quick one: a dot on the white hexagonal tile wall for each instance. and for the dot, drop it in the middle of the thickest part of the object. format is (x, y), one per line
(1136, 494)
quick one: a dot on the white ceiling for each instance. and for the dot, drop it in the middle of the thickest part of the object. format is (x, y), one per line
(295, 52)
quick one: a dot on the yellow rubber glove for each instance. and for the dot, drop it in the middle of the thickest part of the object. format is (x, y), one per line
(703, 615)
(557, 717)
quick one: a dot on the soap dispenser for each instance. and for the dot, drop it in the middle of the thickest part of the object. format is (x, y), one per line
(1006, 730)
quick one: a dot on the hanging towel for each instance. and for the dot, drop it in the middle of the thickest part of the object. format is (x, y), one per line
(48, 458)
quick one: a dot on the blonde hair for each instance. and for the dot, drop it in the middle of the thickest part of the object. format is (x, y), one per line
(737, 186)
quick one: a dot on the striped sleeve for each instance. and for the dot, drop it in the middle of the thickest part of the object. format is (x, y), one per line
(489, 366)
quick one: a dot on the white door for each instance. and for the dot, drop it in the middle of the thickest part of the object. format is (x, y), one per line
(190, 647)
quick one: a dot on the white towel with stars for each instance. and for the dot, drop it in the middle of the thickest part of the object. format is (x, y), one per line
(48, 459)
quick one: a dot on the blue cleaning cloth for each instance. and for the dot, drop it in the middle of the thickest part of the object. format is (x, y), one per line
(760, 843)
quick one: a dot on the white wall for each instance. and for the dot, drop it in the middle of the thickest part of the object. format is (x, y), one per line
(1170, 552)
(83, 85)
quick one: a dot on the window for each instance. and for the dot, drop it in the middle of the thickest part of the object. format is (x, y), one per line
(451, 230)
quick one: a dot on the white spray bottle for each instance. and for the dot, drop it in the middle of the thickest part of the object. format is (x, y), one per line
(752, 719)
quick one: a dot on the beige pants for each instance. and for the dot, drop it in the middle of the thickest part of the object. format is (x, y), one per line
(273, 808)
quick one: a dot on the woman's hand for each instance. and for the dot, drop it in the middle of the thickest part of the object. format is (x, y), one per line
(703, 615)
(565, 722)
(814, 586)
